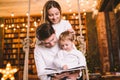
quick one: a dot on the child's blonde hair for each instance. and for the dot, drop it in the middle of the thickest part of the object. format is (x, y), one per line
(66, 35)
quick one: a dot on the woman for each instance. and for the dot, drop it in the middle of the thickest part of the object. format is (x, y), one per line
(52, 14)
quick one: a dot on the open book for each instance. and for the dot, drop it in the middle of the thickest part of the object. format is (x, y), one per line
(54, 71)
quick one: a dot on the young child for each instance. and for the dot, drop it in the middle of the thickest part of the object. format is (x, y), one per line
(68, 57)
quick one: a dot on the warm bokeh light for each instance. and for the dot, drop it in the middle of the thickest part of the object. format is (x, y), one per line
(2, 25)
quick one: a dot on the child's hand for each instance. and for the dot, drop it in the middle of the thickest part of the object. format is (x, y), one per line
(65, 67)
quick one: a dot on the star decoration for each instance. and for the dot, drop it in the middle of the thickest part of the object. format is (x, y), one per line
(8, 72)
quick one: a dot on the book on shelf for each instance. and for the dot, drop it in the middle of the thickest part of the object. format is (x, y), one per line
(22, 35)
(8, 31)
(21, 56)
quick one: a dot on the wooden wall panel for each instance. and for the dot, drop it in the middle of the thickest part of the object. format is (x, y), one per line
(114, 34)
(102, 42)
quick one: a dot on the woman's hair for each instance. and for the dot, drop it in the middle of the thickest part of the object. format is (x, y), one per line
(66, 35)
(44, 31)
(48, 5)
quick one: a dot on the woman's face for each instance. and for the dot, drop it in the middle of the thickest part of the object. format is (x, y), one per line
(54, 15)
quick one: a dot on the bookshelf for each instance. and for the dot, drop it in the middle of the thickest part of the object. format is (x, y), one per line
(15, 31)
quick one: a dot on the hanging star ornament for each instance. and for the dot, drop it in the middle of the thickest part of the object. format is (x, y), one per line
(8, 72)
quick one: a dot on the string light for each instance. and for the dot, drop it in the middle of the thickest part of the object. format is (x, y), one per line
(27, 14)
(41, 12)
(12, 14)
(64, 17)
(2, 25)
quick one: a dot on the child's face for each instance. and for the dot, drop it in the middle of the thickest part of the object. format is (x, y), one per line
(66, 45)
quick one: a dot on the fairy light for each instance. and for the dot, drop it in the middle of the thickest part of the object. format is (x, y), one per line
(2, 25)
(41, 12)
(12, 25)
(27, 14)
(14, 29)
(26, 26)
(23, 29)
(70, 10)
(84, 13)
(32, 29)
(35, 23)
(6, 28)
(12, 14)
(84, 10)
(23, 24)
(18, 26)
(9, 26)
(82, 4)
(76, 17)
(68, 1)
(87, 2)
(69, 5)
(64, 17)
(74, 14)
